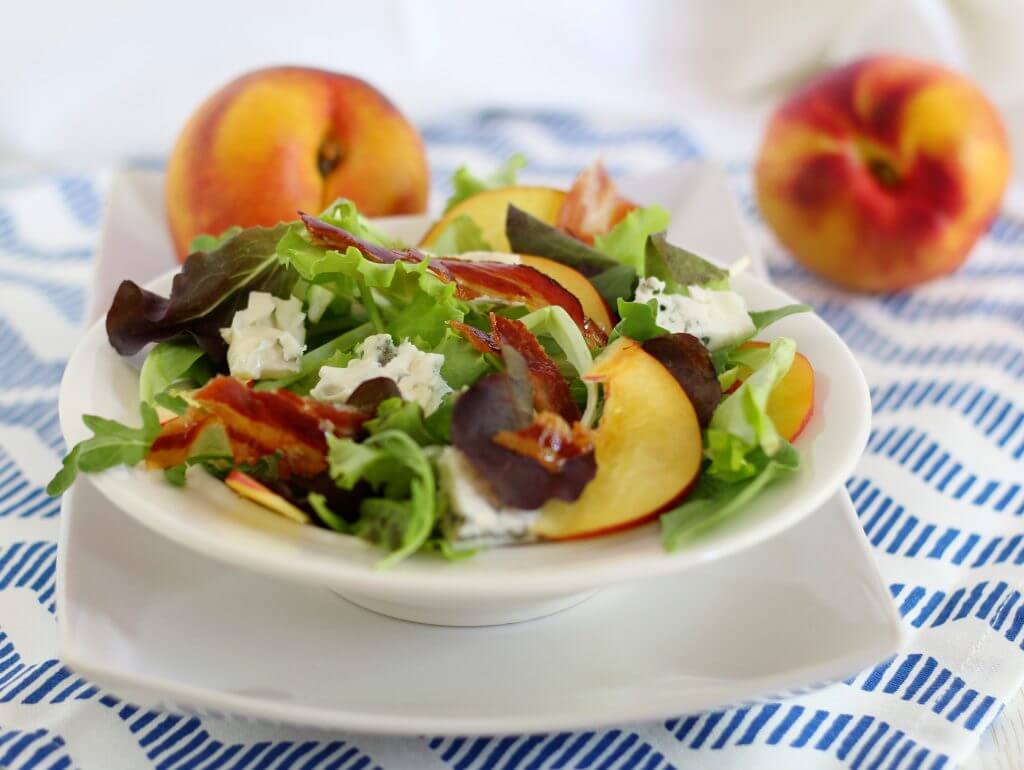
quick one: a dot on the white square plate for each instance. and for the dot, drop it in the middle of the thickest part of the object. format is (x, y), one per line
(164, 627)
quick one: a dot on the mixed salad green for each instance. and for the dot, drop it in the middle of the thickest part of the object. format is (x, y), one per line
(424, 402)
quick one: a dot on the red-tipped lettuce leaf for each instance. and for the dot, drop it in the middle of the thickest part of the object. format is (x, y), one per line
(689, 362)
(205, 294)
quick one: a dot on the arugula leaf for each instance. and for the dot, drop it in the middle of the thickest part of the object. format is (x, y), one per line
(764, 318)
(465, 184)
(323, 512)
(638, 321)
(171, 402)
(462, 234)
(680, 268)
(169, 363)
(528, 235)
(205, 294)
(626, 242)
(715, 500)
(111, 444)
(208, 242)
(407, 417)
(391, 462)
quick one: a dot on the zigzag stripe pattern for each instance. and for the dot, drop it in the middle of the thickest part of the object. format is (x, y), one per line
(859, 742)
(12, 243)
(920, 678)
(862, 337)
(32, 750)
(19, 497)
(32, 566)
(30, 371)
(550, 752)
(893, 530)
(971, 400)
(913, 449)
(985, 601)
(67, 299)
(39, 416)
(82, 199)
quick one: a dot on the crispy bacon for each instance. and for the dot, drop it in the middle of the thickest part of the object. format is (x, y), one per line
(550, 390)
(514, 283)
(593, 205)
(549, 440)
(258, 423)
(177, 438)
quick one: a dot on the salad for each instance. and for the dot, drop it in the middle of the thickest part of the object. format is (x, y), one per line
(544, 365)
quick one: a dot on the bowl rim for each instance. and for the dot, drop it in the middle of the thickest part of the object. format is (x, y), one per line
(448, 581)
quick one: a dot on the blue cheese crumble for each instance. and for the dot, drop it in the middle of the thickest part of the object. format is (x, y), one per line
(717, 318)
(267, 338)
(416, 373)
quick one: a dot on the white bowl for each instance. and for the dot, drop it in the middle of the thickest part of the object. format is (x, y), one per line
(497, 586)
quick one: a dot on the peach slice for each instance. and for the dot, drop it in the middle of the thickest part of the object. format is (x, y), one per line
(791, 403)
(244, 485)
(594, 306)
(648, 447)
(488, 209)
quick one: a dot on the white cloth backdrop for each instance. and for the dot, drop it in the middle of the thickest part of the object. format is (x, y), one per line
(80, 82)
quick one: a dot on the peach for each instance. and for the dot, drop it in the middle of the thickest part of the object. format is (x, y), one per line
(594, 306)
(244, 485)
(648, 448)
(883, 173)
(287, 138)
(791, 402)
(488, 209)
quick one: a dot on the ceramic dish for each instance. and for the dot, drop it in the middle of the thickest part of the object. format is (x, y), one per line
(159, 625)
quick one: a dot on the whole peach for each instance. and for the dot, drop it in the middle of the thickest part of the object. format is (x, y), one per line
(277, 140)
(883, 173)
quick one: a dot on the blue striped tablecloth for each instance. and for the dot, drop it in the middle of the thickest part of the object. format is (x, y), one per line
(939, 492)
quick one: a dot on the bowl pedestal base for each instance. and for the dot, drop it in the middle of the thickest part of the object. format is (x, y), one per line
(468, 614)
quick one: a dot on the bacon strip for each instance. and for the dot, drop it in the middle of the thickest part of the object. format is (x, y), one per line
(593, 205)
(514, 283)
(258, 423)
(549, 440)
(550, 390)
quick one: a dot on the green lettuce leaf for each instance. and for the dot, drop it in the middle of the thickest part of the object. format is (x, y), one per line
(741, 423)
(407, 417)
(401, 298)
(344, 214)
(557, 324)
(402, 518)
(638, 321)
(111, 444)
(465, 184)
(207, 242)
(461, 235)
(715, 499)
(172, 363)
(680, 268)
(205, 294)
(626, 242)
(463, 364)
